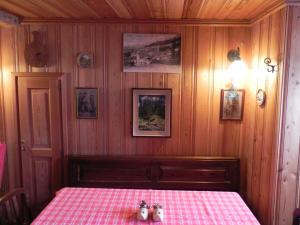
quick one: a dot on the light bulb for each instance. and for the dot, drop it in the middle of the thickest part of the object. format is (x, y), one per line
(236, 72)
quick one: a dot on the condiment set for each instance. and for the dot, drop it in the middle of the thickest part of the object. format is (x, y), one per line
(143, 212)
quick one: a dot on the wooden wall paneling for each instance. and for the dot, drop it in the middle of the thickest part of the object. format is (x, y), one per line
(288, 177)
(68, 100)
(220, 52)
(231, 136)
(22, 39)
(247, 127)
(249, 144)
(10, 110)
(158, 81)
(270, 125)
(240, 37)
(203, 87)
(52, 42)
(65, 45)
(66, 64)
(114, 87)
(129, 82)
(173, 81)
(144, 80)
(99, 73)
(260, 113)
(187, 88)
(105, 89)
(86, 78)
(261, 132)
(75, 76)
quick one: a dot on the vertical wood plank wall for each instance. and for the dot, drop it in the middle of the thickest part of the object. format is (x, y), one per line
(196, 128)
(288, 197)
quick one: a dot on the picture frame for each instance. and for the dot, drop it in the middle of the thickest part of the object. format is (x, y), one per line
(154, 53)
(85, 60)
(86, 103)
(260, 97)
(151, 112)
(232, 104)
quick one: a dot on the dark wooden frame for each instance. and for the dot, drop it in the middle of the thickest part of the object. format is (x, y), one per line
(146, 172)
(152, 89)
(222, 105)
(97, 103)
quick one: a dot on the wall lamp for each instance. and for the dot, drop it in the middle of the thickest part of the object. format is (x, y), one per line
(234, 55)
(270, 68)
(237, 69)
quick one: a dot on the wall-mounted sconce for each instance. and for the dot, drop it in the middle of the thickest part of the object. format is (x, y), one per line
(270, 67)
(237, 68)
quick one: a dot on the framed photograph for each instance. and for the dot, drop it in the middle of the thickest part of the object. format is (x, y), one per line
(86, 103)
(156, 53)
(151, 112)
(85, 60)
(232, 104)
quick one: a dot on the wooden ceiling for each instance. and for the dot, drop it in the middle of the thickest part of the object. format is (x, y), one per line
(141, 9)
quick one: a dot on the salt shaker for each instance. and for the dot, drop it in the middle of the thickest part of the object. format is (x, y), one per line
(143, 211)
(158, 213)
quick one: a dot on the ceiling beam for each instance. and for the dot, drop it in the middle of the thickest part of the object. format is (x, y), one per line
(177, 22)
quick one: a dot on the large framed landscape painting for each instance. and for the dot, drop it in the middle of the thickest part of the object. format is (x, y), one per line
(156, 53)
(151, 113)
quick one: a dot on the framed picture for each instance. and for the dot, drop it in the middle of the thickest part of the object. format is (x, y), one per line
(156, 53)
(151, 112)
(85, 60)
(232, 104)
(86, 103)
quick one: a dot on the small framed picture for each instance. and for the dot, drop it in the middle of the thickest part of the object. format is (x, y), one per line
(86, 103)
(85, 60)
(151, 112)
(232, 104)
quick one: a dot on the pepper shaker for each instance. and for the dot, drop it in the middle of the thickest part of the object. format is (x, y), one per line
(158, 213)
(143, 211)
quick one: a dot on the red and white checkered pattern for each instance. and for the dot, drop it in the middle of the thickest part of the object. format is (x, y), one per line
(118, 206)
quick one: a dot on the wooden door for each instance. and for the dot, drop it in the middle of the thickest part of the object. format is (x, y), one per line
(40, 135)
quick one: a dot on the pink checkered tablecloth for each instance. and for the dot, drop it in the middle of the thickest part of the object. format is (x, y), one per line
(118, 206)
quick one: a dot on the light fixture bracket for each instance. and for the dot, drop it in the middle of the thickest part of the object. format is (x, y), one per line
(270, 67)
(233, 55)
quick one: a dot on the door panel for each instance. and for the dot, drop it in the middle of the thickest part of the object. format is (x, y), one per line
(40, 112)
(40, 135)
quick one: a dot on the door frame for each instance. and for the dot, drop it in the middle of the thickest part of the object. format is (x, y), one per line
(60, 76)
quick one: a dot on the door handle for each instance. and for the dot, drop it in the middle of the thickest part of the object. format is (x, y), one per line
(23, 145)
